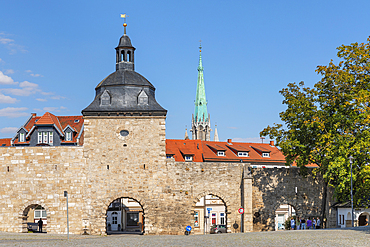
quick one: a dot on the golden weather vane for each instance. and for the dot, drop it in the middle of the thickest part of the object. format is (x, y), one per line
(124, 22)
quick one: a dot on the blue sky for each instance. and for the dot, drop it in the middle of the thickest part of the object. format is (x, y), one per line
(54, 53)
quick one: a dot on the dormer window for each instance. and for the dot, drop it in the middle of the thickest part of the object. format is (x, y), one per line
(105, 98)
(220, 153)
(142, 98)
(169, 156)
(77, 121)
(243, 154)
(188, 158)
(69, 136)
(21, 137)
(265, 154)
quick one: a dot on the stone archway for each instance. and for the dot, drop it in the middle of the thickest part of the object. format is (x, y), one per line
(209, 208)
(125, 214)
(24, 215)
(363, 219)
(272, 224)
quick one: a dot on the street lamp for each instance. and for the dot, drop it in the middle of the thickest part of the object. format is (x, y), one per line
(351, 161)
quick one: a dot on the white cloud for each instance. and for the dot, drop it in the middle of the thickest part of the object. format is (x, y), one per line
(250, 139)
(6, 80)
(12, 112)
(27, 88)
(9, 130)
(42, 100)
(55, 109)
(7, 99)
(32, 74)
(9, 71)
(57, 97)
(6, 41)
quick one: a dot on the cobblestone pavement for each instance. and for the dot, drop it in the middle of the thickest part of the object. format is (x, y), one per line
(331, 237)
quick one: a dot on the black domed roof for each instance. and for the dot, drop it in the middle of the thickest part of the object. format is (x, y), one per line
(124, 78)
(124, 41)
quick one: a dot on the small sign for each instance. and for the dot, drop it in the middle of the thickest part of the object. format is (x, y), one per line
(188, 228)
(241, 210)
(209, 210)
(235, 225)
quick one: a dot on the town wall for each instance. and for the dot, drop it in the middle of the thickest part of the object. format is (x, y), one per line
(110, 166)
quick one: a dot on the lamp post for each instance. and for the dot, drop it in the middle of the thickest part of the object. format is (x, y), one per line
(66, 195)
(351, 161)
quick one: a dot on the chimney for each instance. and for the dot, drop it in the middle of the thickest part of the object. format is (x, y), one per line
(33, 115)
(229, 140)
(272, 143)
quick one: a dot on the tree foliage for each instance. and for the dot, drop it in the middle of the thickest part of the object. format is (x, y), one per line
(326, 124)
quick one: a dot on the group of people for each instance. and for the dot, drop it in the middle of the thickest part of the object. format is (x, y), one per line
(303, 224)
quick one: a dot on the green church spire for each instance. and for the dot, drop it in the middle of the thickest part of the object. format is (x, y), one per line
(201, 113)
(200, 123)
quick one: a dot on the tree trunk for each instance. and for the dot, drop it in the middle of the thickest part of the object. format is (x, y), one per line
(323, 206)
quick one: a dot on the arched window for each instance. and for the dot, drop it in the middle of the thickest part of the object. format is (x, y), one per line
(122, 55)
(128, 56)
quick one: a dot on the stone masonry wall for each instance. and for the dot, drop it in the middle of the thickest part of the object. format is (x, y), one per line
(40, 175)
(273, 187)
(111, 166)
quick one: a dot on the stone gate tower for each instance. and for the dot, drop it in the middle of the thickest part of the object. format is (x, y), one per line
(124, 139)
(201, 124)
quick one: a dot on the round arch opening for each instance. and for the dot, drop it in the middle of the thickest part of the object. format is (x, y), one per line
(210, 215)
(363, 219)
(125, 215)
(33, 215)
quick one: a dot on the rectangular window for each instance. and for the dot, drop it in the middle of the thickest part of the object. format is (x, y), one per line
(45, 137)
(132, 219)
(213, 219)
(51, 137)
(243, 154)
(188, 158)
(69, 136)
(37, 213)
(222, 218)
(21, 137)
(265, 154)
(39, 137)
(220, 153)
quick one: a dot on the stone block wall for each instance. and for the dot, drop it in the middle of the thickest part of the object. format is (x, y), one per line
(39, 176)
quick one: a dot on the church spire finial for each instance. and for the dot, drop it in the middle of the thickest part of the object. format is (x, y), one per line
(124, 22)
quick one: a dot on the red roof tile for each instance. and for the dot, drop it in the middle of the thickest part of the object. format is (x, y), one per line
(207, 151)
(5, 142)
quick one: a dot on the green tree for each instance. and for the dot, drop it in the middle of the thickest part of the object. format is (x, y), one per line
(326, 124)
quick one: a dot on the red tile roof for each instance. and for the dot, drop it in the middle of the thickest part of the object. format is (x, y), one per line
(5, 142)
(60, 122)
(204, 151)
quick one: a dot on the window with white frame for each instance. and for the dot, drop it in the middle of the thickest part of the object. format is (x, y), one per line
(69, 136)
(21, 137)
(39, 212)
(188, 158)
(243, 154)
(39, 137)
(220, 153)
(114, 218)
(265, 154)
(45, 137)
(51, 137)
(222, 218)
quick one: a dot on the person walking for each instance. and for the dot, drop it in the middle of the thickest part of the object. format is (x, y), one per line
(309, 223)
(318, 223)
(40, 223)
(303, 224)
(314, 223)
(292, 224)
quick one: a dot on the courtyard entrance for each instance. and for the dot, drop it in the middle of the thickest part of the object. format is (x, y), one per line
(125, 215)
(283, 213)
(31, 216)
(209, 211)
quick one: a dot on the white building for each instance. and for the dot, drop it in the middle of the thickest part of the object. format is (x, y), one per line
(344, 218)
